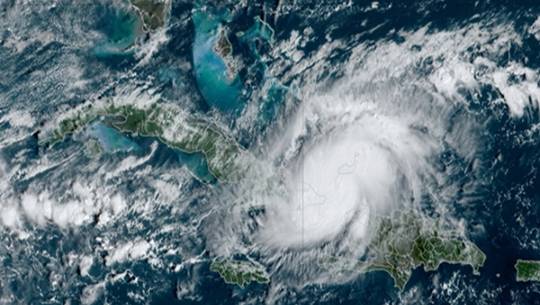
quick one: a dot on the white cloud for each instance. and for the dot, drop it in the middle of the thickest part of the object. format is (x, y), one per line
(19, 118)
(41, 209)
(130, 250)
(38, 209)
(11, 217)
(85, 264)
(389, 115)
(117, 204)
(91, 293)
(519, 94)
(131, 162)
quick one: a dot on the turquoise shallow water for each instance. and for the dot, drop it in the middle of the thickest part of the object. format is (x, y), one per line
(210, 70)
(109, 138)
(125, 29)
(197, 164)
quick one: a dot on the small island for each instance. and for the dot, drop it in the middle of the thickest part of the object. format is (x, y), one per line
(404, 241)
(239, 272)
(527, 270)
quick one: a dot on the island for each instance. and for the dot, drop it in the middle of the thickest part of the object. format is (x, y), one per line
(214, 66)
(239, 272)
(225, 158)
(527, 270)
(93, 149)
(153, 13)
(223, 49)
(405, 240)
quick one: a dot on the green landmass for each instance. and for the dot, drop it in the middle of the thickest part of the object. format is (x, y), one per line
(164, 121)
(405, 240)
(153, 13)
(239, 272)
(92, 149)
(224, 49)
(527, 270)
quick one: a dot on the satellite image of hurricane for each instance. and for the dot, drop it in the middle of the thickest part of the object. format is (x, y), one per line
(269, 152)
